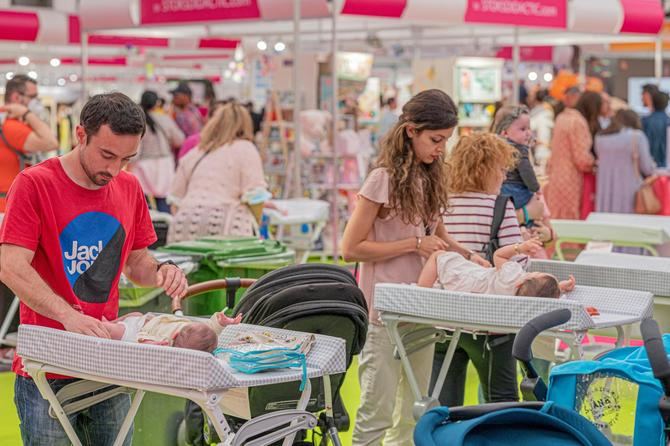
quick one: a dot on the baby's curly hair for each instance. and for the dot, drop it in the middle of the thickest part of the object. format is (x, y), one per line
(196, 336)
(475, 158)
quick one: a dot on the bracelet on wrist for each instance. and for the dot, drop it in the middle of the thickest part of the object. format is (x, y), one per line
(167, 262)
(517, 249)
(468, 255)
(23, 116)
(418, 243)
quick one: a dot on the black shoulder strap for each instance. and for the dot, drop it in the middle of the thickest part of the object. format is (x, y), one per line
(498, 215)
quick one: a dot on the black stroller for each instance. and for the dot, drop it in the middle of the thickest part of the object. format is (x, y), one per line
(312, 298)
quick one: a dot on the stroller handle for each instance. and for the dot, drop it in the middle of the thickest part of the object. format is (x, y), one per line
(653, 344)
(521, 349)
(210, 285)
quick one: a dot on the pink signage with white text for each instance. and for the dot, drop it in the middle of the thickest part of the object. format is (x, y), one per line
(185, 11)
(542, 13)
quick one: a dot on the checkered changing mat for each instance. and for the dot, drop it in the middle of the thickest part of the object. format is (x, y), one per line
(616, 307)
(622, 271)
(169, 366)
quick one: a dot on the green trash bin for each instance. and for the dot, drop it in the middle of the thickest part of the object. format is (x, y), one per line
(243, 257)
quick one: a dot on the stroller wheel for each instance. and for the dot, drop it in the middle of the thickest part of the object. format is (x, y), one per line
(342, 420)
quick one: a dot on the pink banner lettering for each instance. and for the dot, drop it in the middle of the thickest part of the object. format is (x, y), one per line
(542, 13)
(184, 11)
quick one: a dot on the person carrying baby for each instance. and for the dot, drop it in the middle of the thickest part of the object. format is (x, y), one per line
(170, 330)
(521, 184)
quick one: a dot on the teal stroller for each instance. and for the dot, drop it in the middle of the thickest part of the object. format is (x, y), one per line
(612, 400)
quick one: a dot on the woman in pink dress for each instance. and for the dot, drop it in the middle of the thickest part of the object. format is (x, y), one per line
(395, 226)
(571, 156)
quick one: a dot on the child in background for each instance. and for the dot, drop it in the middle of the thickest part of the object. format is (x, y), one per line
(507, 277)
(513, 123)
(170, 330)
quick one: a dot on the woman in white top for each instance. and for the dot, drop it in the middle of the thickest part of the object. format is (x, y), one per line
(212, 181)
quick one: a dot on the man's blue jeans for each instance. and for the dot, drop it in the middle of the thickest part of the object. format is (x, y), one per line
(98, 425)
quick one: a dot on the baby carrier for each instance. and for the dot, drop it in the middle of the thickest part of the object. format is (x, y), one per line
(311, 298)
(530, 422)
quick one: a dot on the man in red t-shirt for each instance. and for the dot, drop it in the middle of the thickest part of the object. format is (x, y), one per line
(23, 132)
(72, 225)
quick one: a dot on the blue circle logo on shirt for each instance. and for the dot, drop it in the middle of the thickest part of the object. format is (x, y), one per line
(91, 246)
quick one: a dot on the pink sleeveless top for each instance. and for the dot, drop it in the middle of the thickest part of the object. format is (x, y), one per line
(402, 269)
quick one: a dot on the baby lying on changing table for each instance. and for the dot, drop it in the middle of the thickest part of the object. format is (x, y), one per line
(167, 329)
(451, 271)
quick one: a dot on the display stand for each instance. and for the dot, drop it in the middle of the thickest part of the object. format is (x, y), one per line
(275, 148)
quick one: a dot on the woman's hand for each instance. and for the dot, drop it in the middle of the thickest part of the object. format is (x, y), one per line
(543, 232)
(430, 244)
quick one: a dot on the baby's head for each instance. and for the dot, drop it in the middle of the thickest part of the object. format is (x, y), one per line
(513, 122)
(196, 336)
(539, 285)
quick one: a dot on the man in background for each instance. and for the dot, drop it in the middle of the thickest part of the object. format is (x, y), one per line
(22, 131)
(186, 114)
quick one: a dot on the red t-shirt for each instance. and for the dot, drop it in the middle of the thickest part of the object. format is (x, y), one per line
(16, 133)
(81, 237)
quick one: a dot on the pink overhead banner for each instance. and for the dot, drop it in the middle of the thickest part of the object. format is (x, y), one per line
(187, 11)
(541, 13)
(377, 8)
(642, 16)
(528, 53)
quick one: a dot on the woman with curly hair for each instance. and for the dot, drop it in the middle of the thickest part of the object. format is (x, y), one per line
(396, 226)
(479, 165)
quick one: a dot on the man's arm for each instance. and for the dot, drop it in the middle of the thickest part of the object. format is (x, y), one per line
(18, 274)
(142, 269)
(41, 139)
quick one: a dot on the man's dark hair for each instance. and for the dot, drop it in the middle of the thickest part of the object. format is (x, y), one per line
(17, 84)
(659, 100)
(650, 88)
(116, 110)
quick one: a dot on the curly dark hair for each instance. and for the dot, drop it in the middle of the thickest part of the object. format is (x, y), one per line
(418, 190)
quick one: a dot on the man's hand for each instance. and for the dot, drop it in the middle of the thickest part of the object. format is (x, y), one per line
(86, 325)
(172, 279)
(14, 111)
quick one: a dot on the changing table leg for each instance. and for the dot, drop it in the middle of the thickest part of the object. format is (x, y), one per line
(9, 317)
(48, 394)
(421, 403)
(302, 405)
(213, 411)
(128, 421)
(442, 376)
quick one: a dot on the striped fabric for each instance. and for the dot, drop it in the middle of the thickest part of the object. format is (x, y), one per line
(469, 219)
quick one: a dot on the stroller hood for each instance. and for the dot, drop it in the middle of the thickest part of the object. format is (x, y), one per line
(548, 424)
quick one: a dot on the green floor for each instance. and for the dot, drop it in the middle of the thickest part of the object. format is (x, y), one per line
(9, 423)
